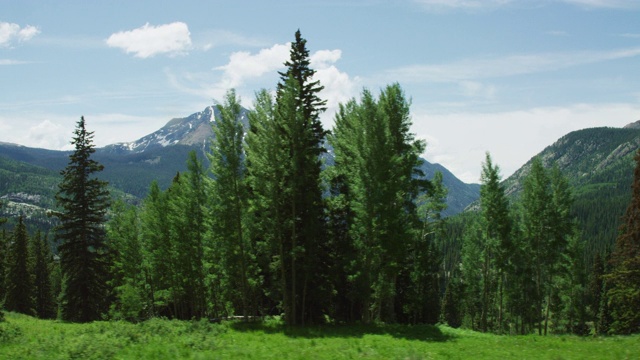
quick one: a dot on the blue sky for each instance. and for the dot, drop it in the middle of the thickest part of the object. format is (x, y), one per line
(505, 76)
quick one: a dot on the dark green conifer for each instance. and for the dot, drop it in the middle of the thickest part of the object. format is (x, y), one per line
(83, 200)
(19, 285)
(42, 287)
(624, 279)
(288, 205)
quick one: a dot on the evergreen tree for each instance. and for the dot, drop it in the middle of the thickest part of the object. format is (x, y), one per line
(471, 274)
(451, 312)
(546, 204)
(83, 200)
(297, 249)
(596, 284)
(234, 258)
(158, 260)
(266, 158)
(3, 260)
(567, 279)
(187, 230)
(19, 285)
(496, 246)
(536, 199)
(624, 279)
(45, 306)
(128, 272)
(425, 257)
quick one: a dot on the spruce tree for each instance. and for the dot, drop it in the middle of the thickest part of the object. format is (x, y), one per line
(43, 290)
(19, 285)
(624, 279)
(496, 247)
(83, 200)
(295, 234)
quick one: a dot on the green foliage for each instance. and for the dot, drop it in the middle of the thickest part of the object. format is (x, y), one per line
(18, 282)
(421, 296)
(127, 263)
(283, 164)
(20, 177)
(4, 252)
(83, 200)
(233, 268)
(186, 216)
(23, 337)
(624, 279)
(158, 249)
(376, 168)
(41, 263)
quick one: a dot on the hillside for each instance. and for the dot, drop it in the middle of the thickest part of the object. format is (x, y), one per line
(599, 164)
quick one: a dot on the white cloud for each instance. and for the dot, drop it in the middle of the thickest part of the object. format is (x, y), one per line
(243, 65)
(247, 71)
(459, 140)
(339, 87)
(147, 41)
(504, 66)
(10, 32)
(48, 135)
(324, 58)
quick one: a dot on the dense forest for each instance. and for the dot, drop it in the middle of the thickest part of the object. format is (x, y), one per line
(268, 229)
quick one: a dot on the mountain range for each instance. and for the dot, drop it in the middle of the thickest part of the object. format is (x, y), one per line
(28, 176)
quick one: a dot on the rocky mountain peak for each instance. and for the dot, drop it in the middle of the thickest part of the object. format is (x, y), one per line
(191, 130)
(633, 125)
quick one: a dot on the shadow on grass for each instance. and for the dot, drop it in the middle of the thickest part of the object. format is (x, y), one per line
(428, 333)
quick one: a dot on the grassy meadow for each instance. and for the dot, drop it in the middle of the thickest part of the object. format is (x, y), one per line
(23, 337)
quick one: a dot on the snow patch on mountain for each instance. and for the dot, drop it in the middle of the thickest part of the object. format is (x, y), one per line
(193, 130)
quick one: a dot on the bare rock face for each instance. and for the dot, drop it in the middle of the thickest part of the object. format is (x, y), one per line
(633, 125)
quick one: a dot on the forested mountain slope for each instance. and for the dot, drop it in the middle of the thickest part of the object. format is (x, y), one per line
(599, 164)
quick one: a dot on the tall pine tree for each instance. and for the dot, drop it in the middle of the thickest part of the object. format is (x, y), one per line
(624, 279)
(295, 234)
(496, 248)
(83, 200)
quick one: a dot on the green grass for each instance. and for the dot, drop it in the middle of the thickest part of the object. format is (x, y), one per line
(23, 337)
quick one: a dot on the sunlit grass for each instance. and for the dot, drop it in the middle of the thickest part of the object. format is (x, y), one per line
(23, 337)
